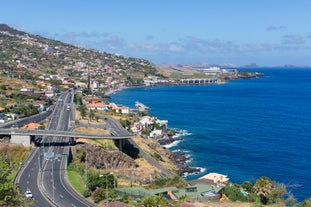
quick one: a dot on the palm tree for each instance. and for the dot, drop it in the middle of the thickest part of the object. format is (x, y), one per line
(263, 188)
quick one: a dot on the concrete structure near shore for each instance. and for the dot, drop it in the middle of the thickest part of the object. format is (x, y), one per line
(199, 81)
(216, 178)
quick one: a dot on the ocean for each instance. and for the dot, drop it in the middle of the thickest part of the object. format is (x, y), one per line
(244, 129)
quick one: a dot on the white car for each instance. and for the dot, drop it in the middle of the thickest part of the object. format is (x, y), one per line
(28, 194)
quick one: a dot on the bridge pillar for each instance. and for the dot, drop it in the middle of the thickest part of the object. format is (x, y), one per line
(120, 144)
(72, 141)
(25, 140)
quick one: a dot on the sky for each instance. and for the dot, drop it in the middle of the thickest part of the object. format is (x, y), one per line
(265, 32)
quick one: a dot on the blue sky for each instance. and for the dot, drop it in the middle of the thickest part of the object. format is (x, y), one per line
(266, 32)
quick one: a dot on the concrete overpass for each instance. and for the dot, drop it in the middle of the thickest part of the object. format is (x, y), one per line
(26, 137)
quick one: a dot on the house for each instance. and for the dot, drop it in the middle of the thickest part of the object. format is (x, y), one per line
(49, 94)
(137, 127)
(94, 84)
(119, 109)
(40, 105)
(124, 109)
(3, 117)
(27, 89)
(156, 133)
(97, 106)
(217, 178)
(89, 100)
(11, 117)
(146, 120)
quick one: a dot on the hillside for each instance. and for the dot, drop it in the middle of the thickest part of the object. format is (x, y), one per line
(28, 56)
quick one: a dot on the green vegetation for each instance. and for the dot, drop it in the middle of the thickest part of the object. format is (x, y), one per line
(78, 99)
(83, 110)
(304, 203)
(177, 182)
(125, 123)
(10, 158)
(24, 110)
(154, 201)
(263, 192)
(106, 144)
(76, 180)
(91, 183)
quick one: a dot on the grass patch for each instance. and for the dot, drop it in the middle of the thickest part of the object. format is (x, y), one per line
(90, 130)
(76, 181)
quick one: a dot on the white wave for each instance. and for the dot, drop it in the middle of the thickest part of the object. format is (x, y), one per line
(181, 151)
(202, 169)
(173, 144)
(186, 174)
(181, 133)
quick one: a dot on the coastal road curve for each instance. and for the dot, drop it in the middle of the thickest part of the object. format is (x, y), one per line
(118, 130)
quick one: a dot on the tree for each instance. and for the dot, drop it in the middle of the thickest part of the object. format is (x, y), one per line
(234, 193)
(304, 203)
(96, 180)
(9, 195)
(82, 109)
(154, 201)
(248, 186)
(91, 115)
(277, 193)
(263, 188)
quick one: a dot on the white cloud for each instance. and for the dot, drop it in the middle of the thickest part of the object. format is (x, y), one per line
(190, 46)
(293, 39)
(275, 28)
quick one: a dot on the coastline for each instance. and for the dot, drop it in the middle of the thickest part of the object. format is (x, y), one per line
(180, 157)
(225, 128)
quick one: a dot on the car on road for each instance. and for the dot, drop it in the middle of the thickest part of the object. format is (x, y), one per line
(28, 194)
(68, 107)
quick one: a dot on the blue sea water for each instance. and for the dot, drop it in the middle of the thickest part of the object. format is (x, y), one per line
(244, 129)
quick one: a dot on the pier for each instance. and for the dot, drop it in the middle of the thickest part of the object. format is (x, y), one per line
(199, 81)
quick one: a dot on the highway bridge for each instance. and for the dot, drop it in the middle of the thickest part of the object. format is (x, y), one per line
(25, 137)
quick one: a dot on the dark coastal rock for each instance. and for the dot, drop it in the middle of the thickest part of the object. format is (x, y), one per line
(168, 140)
(181, 160)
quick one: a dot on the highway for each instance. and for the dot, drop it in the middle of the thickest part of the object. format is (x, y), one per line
(54, 181)
(45, 169)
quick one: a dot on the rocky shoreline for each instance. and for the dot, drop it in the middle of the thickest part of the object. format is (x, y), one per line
(179, 158)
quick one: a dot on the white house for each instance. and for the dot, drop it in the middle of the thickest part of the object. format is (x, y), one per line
(97, 106)
(156, 133)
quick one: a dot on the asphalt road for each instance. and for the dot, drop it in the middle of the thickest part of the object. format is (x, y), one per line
(118, 130)
(45, 169)
(54, 179)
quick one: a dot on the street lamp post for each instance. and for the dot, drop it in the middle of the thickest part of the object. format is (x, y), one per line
(106, 191)
(106, 185)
